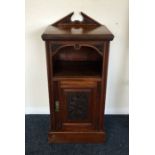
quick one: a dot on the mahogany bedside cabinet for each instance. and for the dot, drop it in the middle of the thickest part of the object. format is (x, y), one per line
(77, 63)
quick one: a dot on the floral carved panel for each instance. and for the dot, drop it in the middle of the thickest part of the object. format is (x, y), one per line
(77, 105)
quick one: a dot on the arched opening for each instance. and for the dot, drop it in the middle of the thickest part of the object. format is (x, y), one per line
(77, 61)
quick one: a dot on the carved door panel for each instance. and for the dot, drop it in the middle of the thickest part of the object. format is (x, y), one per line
(78, 105)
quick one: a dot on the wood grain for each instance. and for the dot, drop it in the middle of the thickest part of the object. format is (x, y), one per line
(77, 55)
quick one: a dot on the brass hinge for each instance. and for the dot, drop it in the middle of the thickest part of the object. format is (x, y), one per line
(56, 106)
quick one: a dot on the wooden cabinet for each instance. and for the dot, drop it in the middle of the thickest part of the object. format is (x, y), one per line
(77, 63)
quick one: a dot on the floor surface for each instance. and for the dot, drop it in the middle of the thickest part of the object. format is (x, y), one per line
(117, 143)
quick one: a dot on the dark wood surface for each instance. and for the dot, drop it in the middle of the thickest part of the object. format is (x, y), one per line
(68, 33)
(77, 64)
(76, 137)
(88, 29)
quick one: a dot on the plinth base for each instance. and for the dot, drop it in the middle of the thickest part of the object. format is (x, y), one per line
(76, 137)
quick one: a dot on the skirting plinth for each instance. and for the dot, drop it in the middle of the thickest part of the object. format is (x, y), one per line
(76, 137)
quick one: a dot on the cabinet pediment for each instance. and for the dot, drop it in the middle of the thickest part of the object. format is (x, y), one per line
(88, 29)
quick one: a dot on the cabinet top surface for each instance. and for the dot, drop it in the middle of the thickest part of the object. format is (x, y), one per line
(87, 29)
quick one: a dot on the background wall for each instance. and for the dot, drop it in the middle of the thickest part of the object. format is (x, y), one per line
(112, 13)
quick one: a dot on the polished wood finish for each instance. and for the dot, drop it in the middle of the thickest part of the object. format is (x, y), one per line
(88, 29)
(76, 137)
(77, 64)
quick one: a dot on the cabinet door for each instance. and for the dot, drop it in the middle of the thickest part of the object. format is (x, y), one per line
(78, 105)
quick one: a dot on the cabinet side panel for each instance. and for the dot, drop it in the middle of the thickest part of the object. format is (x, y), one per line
(103, 84)
(50, 85)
